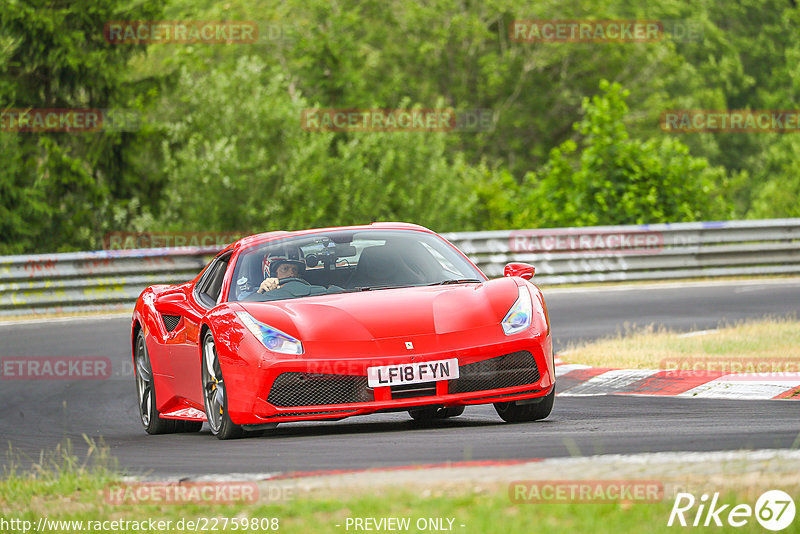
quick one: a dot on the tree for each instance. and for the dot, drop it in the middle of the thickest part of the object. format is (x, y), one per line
(61, 188)
(610, 178)
(237, 158)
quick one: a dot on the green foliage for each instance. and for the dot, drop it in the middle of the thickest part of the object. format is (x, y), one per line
(59, 188)
(777, 171)
(237, 158)
(619, 180)
(20, 202)
(221, 144)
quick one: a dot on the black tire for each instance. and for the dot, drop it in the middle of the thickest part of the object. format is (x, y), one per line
(215, 396)
(146, 393)
(432, 414)
(511, 412)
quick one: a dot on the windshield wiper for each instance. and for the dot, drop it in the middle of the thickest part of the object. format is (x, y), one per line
(370, 288)
(442, 283)
(456, 281)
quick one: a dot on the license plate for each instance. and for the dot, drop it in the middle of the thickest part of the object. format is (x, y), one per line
(412, 373)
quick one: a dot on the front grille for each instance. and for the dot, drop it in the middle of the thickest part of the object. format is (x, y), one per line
(509, 370)
(170, 321)
(312, 389)
(408, 391)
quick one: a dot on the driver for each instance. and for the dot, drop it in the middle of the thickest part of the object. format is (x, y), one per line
(278, 266)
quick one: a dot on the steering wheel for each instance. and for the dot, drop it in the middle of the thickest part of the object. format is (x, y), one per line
(294, 279)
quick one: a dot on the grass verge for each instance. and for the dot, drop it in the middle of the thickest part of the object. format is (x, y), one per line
(771, 338)
(80, 508)
(73, 497)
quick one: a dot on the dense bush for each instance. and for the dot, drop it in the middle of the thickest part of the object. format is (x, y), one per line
(613, 179)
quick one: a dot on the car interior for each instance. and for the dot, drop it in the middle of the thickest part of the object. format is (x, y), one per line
(356, 263)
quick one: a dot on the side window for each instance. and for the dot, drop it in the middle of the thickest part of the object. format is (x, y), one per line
(208, 288)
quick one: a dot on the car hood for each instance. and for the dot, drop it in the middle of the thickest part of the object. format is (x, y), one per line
(389, 313)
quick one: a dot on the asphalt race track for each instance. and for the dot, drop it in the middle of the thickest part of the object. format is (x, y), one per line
(38, 414)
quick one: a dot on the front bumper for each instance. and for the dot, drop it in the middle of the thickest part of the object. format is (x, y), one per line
(315, 389)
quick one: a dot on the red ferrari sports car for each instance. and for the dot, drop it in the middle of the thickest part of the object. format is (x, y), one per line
(324, 324)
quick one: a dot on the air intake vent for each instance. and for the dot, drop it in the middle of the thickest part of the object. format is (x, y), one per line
(515, 369)
(170, 321)
(311, 389)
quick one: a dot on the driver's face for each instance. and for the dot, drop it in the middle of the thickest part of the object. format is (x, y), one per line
(288, 270)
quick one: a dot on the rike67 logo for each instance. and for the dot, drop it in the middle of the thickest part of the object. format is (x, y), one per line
(774, 511)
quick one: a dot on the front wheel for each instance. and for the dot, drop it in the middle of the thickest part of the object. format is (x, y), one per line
(511, 412)
(215, 395)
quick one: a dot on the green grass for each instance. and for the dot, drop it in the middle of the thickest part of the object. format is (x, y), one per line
(61, 488)
(649, 348)
(485, 512)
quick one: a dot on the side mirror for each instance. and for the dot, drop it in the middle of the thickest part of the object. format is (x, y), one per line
(523, 270)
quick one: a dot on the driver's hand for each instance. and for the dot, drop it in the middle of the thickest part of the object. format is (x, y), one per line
(268, 285)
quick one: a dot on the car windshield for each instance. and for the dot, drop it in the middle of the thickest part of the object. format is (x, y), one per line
(347, 261)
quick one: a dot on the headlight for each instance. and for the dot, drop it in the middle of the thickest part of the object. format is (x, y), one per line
(272, 338)
(519, 316)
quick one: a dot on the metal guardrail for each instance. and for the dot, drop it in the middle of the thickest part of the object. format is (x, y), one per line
(113, 279)
(92, 281)
(642, 252)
